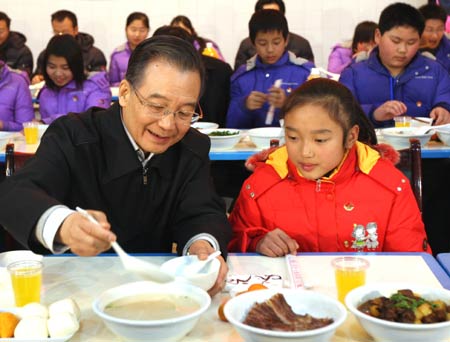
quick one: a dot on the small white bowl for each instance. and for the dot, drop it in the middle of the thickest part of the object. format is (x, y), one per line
(261, 136)
(179, 267)
(163, 330)
(399, 137)
(202, 125)
(444, 134)
(301, 301)
(421, 121)
(223, 142)
(382, 330)
(41, 130)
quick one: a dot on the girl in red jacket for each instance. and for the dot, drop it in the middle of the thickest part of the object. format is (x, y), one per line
(327, 189)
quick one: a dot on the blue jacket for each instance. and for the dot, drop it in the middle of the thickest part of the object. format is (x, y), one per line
(261, 77)
(443, 53)
(16, 106)
(119, 63)
(94, 92)
(422, 86)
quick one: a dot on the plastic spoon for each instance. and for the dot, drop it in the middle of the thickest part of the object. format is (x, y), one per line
(426, 129)
(145, 269)
(198, 266)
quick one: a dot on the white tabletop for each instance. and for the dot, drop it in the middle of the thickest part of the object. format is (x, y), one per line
(85, 278)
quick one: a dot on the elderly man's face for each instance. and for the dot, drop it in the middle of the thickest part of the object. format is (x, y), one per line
(4, 31)
(163, 85)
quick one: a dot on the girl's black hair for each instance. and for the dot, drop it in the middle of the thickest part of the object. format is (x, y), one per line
(65, 46)
(338, 101)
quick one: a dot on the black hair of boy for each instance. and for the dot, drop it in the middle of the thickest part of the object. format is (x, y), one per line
(266, 21)
(63, 14)
(261, 3)
(432, 11)
(5, 18)
(401, 14)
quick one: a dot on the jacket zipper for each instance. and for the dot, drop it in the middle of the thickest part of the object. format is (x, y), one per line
(318, 182)
(144, 175)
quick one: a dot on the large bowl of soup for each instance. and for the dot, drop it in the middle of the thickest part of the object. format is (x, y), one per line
(147, 311)
(402, 312)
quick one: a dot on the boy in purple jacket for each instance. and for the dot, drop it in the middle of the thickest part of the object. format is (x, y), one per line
(396, 79)
(16, 106)
(253, 90)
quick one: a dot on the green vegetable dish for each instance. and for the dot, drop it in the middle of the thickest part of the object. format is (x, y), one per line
(222, 133)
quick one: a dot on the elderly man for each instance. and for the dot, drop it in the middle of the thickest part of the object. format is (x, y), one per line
(66, 22)
(137, 167)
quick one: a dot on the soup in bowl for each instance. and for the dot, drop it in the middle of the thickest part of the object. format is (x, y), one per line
(147, 311)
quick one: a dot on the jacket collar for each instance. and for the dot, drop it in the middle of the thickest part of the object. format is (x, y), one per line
(121, 158)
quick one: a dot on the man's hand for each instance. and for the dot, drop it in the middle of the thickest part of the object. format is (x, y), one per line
(255, 100)
(202, 249)
(388, 110)
(440, 115)
(84, 237)
(277, 243)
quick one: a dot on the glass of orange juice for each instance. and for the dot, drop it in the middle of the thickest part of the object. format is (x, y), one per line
(402, 121)
(31, 132)
(26, 278)
(350, 272)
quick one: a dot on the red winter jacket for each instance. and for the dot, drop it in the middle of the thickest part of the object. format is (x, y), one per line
(321, 214)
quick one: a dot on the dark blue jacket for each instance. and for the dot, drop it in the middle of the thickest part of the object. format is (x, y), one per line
(258, 76)
(422, 86)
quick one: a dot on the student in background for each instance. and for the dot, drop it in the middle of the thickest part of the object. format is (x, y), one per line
(396, 79)
(16, 106)
(362, 42)
(204, 45)
(13, 50)
(296, 43)
(136, 30)
(310, 195)
(65, 22)
(66, 87)
(215, 98)
(433, 38)
(253, 89)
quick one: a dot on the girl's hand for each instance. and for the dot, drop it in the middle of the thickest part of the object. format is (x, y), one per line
(277, 243)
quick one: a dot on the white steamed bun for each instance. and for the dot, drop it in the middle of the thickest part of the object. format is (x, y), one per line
(33, 309)
(31, 327)
(64, 305)
(62, 324)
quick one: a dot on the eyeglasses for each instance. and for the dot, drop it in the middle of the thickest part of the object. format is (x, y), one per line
(158, 111)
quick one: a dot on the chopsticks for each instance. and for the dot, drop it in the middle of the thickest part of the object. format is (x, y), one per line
(424, 121)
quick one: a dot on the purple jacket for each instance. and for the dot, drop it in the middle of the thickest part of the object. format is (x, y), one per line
(16, 105)
(340, 57)
(261, 77)
(423, 85)
(95, 92)
(119, 64)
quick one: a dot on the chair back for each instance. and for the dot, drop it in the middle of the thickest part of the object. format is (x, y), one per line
(411, 165)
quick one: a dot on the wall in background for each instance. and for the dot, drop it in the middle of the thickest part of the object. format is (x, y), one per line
(322, 22)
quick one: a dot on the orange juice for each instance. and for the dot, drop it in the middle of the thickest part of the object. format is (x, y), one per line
(31, 133)
(402, 121)
(350, 272)
(347, 280)
(26, 279)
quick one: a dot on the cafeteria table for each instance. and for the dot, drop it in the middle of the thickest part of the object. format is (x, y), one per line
(241, 151)
(84, 278)
(444, 261)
